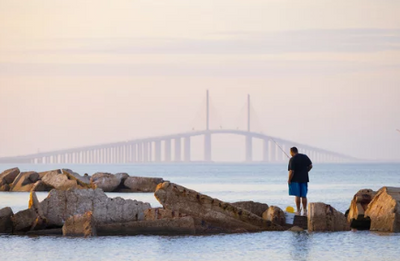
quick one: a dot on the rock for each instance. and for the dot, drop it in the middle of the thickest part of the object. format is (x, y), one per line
(80, 226)
(254, 207)
(35, 205)
(210, 210)
(46, 232)
(5, 220)
(384, 210)
(275, 215)
(105, 181)
(5, 187)
(175, 226)
(24, 220)
(122, 176)
(357, 209)
(142, 184)
(60, 205)
(323, 217)
(8, 176)
(83, 181)
(296, 229)
(44, 173)
(24, 181)
(58, 180)
(41, 186)
(160, 213)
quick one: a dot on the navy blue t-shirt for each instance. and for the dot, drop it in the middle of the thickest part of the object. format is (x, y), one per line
(299, 164)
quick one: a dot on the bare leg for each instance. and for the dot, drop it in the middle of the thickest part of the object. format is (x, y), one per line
(304, 201)
(297, 200)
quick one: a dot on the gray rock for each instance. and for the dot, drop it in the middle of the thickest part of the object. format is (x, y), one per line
(83, 181)
(80, 226)
(24, 220)
(105, 181)
(60, 205)
(142, 184)
(5, 220)
(58, 180)
(254, 207)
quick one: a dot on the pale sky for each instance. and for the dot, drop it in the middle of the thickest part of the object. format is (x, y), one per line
(324, 73)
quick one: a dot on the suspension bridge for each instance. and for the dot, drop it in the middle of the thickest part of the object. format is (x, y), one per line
(159, 149)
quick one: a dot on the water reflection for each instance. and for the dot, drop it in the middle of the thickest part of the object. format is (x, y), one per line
(300, 245)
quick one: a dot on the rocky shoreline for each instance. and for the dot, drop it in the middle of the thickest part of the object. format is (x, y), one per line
(78, 206)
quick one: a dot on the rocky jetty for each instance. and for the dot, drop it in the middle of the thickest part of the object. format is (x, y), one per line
(13, 180)
(358, 206)
(323, 217)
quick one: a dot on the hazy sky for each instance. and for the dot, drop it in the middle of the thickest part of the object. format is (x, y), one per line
(325, 73)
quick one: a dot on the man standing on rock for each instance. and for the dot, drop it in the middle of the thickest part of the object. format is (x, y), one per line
(299, 166)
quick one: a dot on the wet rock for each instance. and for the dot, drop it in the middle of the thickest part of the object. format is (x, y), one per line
(24, 181)
(105, 181)
(8, 176)
(210, 210)
(384, 210)
(58, 180)
(83, 181)
(5, 220)
(175, 226)
(142, 184)
(80, 226)
(323, 217)
(254, 207)
(24, 220)
(357, 209)
(60, 205)
(275, 215)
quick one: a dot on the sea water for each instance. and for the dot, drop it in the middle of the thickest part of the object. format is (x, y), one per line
(334, 184)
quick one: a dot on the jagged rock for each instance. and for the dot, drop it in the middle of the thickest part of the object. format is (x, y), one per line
(323, 217)
(5, 187)
(60, 205)
(105, 181)
(24, 181)
(81, 225)
(41, 186)
(160, 213)
(175, 226)
(8, 176)
(357, 209)
(384, 210)
(213, 211)
(58, 180)
(254, 207)
(275, 215)
(24, 220)
(6, 225)
(44, 173)
(35, 205)
(142, 184)
(83, 181)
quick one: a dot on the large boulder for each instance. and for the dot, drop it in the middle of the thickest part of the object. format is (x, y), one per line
(357, 209)
(275, 215)
(210, 210)
(41, 186)
(44, 173)
(105, 181)
(60, 205)
(253, 207)
(384, 210)
(24, 220)
(5, 220)
(323, 217)
(81, 225)
(58, 180)
(83, 181)
(142, 184)
(160, 213)
(175, 226)
(24, 181)
(7, 177)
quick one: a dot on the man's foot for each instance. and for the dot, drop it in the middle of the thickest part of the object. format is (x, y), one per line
(298, 212)
(304, 212)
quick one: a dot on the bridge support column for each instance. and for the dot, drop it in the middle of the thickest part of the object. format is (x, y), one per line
(265, 150)
(150, 151)
(157, 151)
(207, 147)
(167, 150)
(178, 149)
(249, 148)
(145, 151)
(272, 151)
(140, 152)
(187, 149)
(134, 146)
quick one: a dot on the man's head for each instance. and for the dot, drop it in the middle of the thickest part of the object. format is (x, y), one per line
(293, 151)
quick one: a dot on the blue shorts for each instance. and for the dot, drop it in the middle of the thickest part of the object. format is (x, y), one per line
(298, 189)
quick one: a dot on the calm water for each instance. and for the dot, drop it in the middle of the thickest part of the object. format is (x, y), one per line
(334, 184)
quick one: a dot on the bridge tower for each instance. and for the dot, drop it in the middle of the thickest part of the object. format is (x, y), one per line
(249, 144)
(207, 136)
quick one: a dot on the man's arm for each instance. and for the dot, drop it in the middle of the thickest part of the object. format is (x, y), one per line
(309, 167)
(291, 173)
